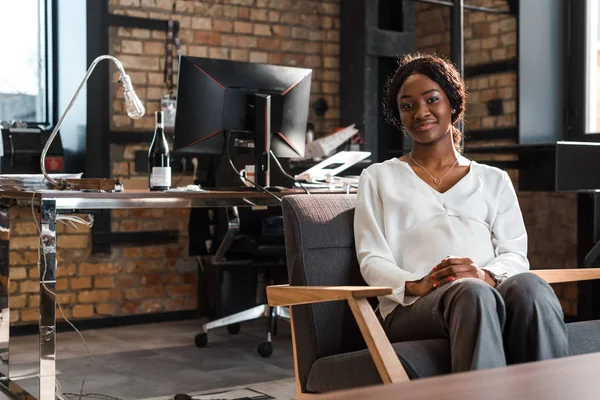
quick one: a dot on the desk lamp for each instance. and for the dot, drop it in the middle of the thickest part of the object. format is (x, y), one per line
(135, 110)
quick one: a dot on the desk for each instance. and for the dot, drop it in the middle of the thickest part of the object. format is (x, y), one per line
(560, 379)
(51, 203)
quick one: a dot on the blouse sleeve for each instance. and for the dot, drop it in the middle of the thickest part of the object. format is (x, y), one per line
(509, 236)
(377, 264)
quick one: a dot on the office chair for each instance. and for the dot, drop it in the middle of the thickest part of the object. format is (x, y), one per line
(251, 246)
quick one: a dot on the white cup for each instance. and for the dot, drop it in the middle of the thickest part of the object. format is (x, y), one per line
(248, 173)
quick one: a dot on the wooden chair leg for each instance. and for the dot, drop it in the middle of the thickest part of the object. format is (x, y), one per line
(386, 360)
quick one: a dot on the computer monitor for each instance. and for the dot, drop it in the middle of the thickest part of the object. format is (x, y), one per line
(265, 105)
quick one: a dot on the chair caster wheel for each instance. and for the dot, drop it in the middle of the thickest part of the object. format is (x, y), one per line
(201, 340)
(265, 349)
(234, 329)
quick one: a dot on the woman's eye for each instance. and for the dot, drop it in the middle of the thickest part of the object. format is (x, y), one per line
(406, 106)
(432, 99)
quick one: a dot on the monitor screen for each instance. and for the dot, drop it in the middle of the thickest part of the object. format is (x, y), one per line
(215, 96)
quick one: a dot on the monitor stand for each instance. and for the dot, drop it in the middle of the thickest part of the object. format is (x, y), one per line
(262, 139)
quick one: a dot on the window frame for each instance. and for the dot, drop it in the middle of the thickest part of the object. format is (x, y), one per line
(577, 58)
(50, 76)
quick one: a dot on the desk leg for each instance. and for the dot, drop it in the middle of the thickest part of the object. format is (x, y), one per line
(6, 385)
(47, 264)
(4, 291)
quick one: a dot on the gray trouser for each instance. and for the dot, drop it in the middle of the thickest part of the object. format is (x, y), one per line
(519, 321)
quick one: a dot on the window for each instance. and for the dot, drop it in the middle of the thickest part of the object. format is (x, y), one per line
(592, 68)
(25, 71)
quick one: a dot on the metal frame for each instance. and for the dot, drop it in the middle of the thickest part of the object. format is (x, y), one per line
(47, 316)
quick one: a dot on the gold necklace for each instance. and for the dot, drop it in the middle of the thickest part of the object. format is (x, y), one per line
(437, 181)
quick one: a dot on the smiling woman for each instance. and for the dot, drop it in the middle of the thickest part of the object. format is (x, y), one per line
(447, 235)
(441, 87)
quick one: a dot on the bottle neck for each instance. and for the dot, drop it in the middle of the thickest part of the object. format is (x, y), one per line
(158, 120)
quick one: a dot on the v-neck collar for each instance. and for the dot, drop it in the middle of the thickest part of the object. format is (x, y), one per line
(464, 178)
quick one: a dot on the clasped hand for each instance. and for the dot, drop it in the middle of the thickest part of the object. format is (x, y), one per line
(448, 270)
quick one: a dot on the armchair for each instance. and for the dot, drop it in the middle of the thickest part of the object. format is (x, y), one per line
(338, 340)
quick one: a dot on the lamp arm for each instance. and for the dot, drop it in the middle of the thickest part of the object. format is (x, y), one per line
(60, 183)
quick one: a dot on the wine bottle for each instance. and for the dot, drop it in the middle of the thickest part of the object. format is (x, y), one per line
(159, 159)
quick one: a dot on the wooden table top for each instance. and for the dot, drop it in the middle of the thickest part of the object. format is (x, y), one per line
(560, 379)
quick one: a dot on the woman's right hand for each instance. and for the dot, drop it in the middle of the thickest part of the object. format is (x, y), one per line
(421, 287)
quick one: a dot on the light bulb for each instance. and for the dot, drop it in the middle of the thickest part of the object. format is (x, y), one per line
(133, 104)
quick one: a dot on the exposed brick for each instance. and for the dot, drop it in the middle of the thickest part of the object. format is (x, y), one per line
(25, 228)
(81, 283)
(247, 42)
(219, 53)
(198, 51)
(202, 24)
(156, 48)
(86, 269)
(97, 296)
(228, 40)
(29, 315)
(33, 301)
(132, 47)
(28, 286)
(150, 279)
(181, 290)
(19, 301)
(66, 298)
(242, 27)
(258, 57)
(221, 25)
(83, 311)
(103, 310)
(258, 14)
(207, 38)
(281, 30)
(262, 30)
(24, 242)
(18, 273)
(73, 241)
(239, 54)
(243, 12)
(145, 292)
(274, 16)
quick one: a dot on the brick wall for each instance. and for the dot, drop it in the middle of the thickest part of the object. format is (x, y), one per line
(550, 218)
(135, 280)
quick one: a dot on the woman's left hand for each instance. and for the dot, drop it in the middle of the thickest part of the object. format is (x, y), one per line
(453, 268)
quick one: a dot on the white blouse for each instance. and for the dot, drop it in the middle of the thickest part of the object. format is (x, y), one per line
(403, 227)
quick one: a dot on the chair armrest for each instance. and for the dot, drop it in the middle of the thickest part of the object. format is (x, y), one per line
(285, 295)
(567, 275)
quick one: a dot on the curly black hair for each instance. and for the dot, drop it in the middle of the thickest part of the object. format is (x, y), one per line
(439, 70)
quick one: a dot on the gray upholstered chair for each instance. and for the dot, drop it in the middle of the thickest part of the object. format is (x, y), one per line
(341, 344)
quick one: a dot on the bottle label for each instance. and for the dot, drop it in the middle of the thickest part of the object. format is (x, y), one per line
(161, 177)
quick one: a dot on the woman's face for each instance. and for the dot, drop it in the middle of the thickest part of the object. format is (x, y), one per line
(424, 109)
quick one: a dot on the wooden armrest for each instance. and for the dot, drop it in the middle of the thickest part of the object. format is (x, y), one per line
(285, 295)
(567, 275)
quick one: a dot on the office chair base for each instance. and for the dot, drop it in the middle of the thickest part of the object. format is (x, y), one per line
(201, 340)
(265, 349)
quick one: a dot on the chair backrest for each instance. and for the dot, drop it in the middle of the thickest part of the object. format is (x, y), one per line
(319, 241)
